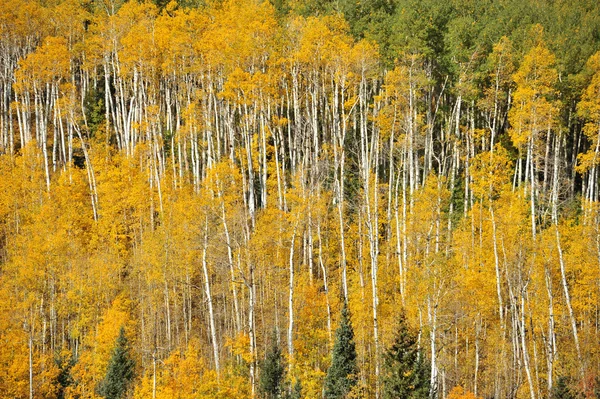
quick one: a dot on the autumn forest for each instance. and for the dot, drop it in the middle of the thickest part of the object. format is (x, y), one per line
(300, 199)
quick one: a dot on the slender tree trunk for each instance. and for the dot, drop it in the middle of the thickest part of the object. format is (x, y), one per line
(30, 345)
(211, 314)
(497, 268)
(568, 299)
(524, 348)
(551, 341)
(290, 332)
(325, 284)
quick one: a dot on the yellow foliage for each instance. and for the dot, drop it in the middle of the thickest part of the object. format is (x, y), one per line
(589, 108)
(460, 393)
(490, 173)
(535, 109)
(311, 319)
(91, 366)
(240, 346)
(48, 64)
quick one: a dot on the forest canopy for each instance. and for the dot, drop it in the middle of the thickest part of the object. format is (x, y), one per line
(223, 199)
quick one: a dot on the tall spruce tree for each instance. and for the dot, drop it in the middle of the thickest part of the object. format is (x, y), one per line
(120, 371)
(405, 374)
(342, 374)
(272, 372)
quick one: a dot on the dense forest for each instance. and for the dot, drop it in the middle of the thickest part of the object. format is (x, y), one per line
(300, 199)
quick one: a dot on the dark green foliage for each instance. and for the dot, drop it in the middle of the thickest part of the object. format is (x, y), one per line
(94, 108)
(372, 20)
(563, 389)
(457, 199)
(160, 4)
(420, 27)
(120, 371)
(64, 379)
(582, 18)
(453, 32)
(313, 7)
(272, 372)
(271, 384)
(405, 373)
(342, 374)
(282, 8)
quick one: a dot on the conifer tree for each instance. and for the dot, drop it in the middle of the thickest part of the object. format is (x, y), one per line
(342, 374)
(297, 390)
(64, 378)
(562, 390)
(120, 371)
(405, 374)
(272, 372)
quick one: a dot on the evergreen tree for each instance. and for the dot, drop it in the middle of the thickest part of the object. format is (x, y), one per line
(405, 374)
(120, 371)
(563, 390)
(64, 378)
(272, 372)
(342, 374)
(297, 391)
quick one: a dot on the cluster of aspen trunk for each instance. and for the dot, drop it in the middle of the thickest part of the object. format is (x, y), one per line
(206, 176)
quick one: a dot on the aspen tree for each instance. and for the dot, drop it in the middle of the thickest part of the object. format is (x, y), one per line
(589, 108)
(533, 114)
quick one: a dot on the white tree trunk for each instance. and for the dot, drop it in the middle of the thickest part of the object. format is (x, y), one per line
(211, 314)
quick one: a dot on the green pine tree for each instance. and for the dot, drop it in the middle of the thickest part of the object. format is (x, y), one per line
(563, 390)
(64, 378)
(272, 372)
(405, 374)
(120, 371)
(342, 374)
